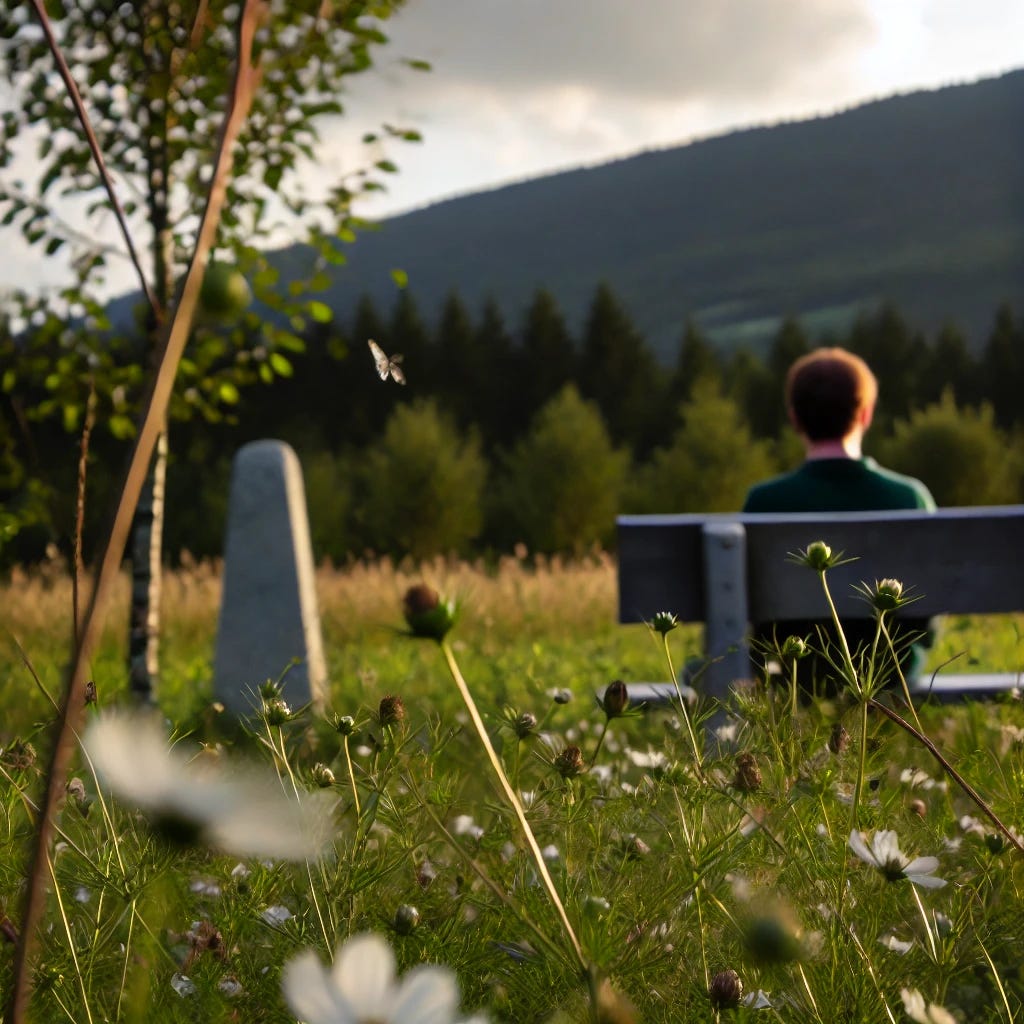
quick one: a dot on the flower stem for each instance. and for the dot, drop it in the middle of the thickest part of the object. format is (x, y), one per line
(682, 706)
(513, 800)
(352, 777)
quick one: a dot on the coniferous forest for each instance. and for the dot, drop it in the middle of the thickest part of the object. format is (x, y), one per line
(513, 430)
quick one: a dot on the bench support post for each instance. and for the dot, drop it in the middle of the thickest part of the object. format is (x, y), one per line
(725, 585)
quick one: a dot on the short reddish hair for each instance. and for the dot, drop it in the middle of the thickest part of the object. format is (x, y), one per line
(826, 390)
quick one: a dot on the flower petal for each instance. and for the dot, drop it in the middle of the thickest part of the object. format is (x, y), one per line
(427, 995)
(859, 847)
(886, 848)
(921, 866)
(311, 994)
(927, 881)
(364, 972)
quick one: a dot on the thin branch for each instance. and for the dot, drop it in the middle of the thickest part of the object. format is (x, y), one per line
(94, 147)
(152, 418)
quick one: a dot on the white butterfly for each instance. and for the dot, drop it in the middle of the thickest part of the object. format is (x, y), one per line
(386, 365)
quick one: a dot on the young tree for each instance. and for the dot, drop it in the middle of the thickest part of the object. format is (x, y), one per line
(710, 463)
(960, 453)
(559, 487)
(155, 78)
(424, 484)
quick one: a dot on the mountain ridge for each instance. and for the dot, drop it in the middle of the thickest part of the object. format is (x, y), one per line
(916, 198)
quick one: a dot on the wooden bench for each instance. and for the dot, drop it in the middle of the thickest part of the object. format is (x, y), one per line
(728, 570)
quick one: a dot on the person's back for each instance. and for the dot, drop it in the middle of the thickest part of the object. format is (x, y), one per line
(830, 396)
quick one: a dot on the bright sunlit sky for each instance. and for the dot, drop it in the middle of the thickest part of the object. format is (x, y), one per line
(529, 87)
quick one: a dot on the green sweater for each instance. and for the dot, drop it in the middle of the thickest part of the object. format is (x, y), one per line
(839, 485)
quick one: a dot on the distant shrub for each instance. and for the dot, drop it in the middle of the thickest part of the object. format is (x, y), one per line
(423, 484)
(559, 487)
(709, 463)
(330, 495)
(960, 453)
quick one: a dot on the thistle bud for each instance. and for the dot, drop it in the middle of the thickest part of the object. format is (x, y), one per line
(391, 710)
(748, 775)
(525, 724)
(427, 613)
(344, 724)
(269, 689)
(839, 739)
(774, 938)
(794, 648)
(616, 699)
(888, 595)
(664, 622)
(570, 763)
(407, 918)
(818, 556)
(725, 990)
(276, 711)
(322, 775)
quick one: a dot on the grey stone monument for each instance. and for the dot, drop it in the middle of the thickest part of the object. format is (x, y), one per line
(269, 626)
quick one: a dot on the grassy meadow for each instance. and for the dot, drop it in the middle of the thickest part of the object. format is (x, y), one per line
(809, 866)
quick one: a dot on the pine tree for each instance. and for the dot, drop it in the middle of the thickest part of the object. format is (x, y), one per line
(1002, 370)
(697, 359)
(457, 365)
(548, 357)
(620, 373)
(497, 401)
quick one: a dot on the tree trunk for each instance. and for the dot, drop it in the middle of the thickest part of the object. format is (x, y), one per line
(146, 548)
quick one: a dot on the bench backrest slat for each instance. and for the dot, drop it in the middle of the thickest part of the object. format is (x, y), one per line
(957, 560)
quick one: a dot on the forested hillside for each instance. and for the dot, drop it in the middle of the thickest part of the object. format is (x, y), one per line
(915, 199)
(522, 432)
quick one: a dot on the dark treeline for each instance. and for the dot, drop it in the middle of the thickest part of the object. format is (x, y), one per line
(522, 432)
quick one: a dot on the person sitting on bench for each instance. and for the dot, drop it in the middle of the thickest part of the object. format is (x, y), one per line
(830, 398)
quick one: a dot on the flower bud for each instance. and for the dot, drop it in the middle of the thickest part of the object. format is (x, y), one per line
(391, 710)
(570, 763)
(427, 613)
(616, 699)
(817, 556)
(773, 938)
(794, 648)
(725, 990)
(276, 711)
(664, 622)
(839, 739)
(919, 807)
(322, 775)
(269, 690)
(562, 696)
(407, 918)
(525, 724)
(635, 848)
(887, 596)
(344, 724)
(748, 776)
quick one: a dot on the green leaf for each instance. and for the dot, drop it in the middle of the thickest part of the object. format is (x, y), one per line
(400, 277)
(321, 312)
(266, 374)
(8, 381)
(280, 365)
(228, 393)
(121, 427)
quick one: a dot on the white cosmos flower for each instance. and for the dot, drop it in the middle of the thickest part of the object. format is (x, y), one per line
(361, 988)
(884, 855)
(246, 813)
(924, 1013)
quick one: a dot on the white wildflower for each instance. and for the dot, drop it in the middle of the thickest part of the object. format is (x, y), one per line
(896, 945)
(924, 1013)
(182, 985)
(464, 825)
(885, 855)
(276, 915)
(361, 988)
(244, 812)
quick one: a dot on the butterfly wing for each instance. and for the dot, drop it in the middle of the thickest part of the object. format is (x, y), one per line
(396, 371)
(382, 362)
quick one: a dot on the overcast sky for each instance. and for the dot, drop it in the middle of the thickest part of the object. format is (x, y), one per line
(525, 87)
